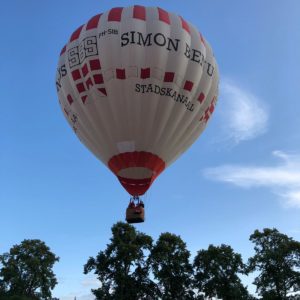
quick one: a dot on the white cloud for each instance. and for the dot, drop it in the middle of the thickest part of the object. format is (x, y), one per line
(282, 179)
(84, 286)
(91, 281)
(243, 115)
(292, 198)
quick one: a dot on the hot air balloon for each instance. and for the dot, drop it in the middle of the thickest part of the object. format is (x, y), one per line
(138, 86)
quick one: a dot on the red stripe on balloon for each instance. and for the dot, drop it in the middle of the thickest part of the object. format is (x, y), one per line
(76, 34)
(93, 22)
(139, 12)
(115, 14)
(185, 25)
(141, 159)
(135, 187)
(134, 159)
(163, 16)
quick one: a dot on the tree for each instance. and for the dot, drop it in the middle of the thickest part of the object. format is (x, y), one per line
(216, 273)
(122, 268)
(16, 297)
(277, 257)
(27, 270)
(169, 260)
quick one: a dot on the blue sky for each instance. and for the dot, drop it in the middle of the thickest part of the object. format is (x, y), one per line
(241, 175)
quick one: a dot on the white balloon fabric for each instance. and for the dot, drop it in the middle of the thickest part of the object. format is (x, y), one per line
(138, 86)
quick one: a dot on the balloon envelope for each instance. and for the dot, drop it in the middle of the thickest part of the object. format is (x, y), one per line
(138, 86)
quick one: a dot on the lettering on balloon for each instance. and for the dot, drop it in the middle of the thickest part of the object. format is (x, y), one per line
(194, 55)
(159, 39)
(198, 57)
(165, 91)
(170, 44)
(74, 118)
(61, 72)
(87, 47)
(108, 32)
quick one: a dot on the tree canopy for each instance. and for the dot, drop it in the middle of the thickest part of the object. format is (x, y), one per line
(216, 273)
(169, 260)
(134, 267)
(277, 258)
(26, 270)
(122, 268)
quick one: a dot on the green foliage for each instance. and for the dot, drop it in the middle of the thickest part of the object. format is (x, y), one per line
(277, 257)
(122, 268)
(216, 273)
(132, 268)
(27, 271)
(16, 297)
(169, 260)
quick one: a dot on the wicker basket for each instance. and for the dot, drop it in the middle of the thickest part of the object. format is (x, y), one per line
(135, 214)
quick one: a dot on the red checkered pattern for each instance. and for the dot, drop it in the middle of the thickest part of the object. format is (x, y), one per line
(89, 83)
(188, 85)
(95, 64)
(208, 112)
(120, 73)
(70, 99)
(201, 97)
(76, 74)
(169, 76)
(84, 70)
(83, 98)
(115, 15)
(90, 74)
(98, 78)
(87, 77)
(102, 91)
(145, 73)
